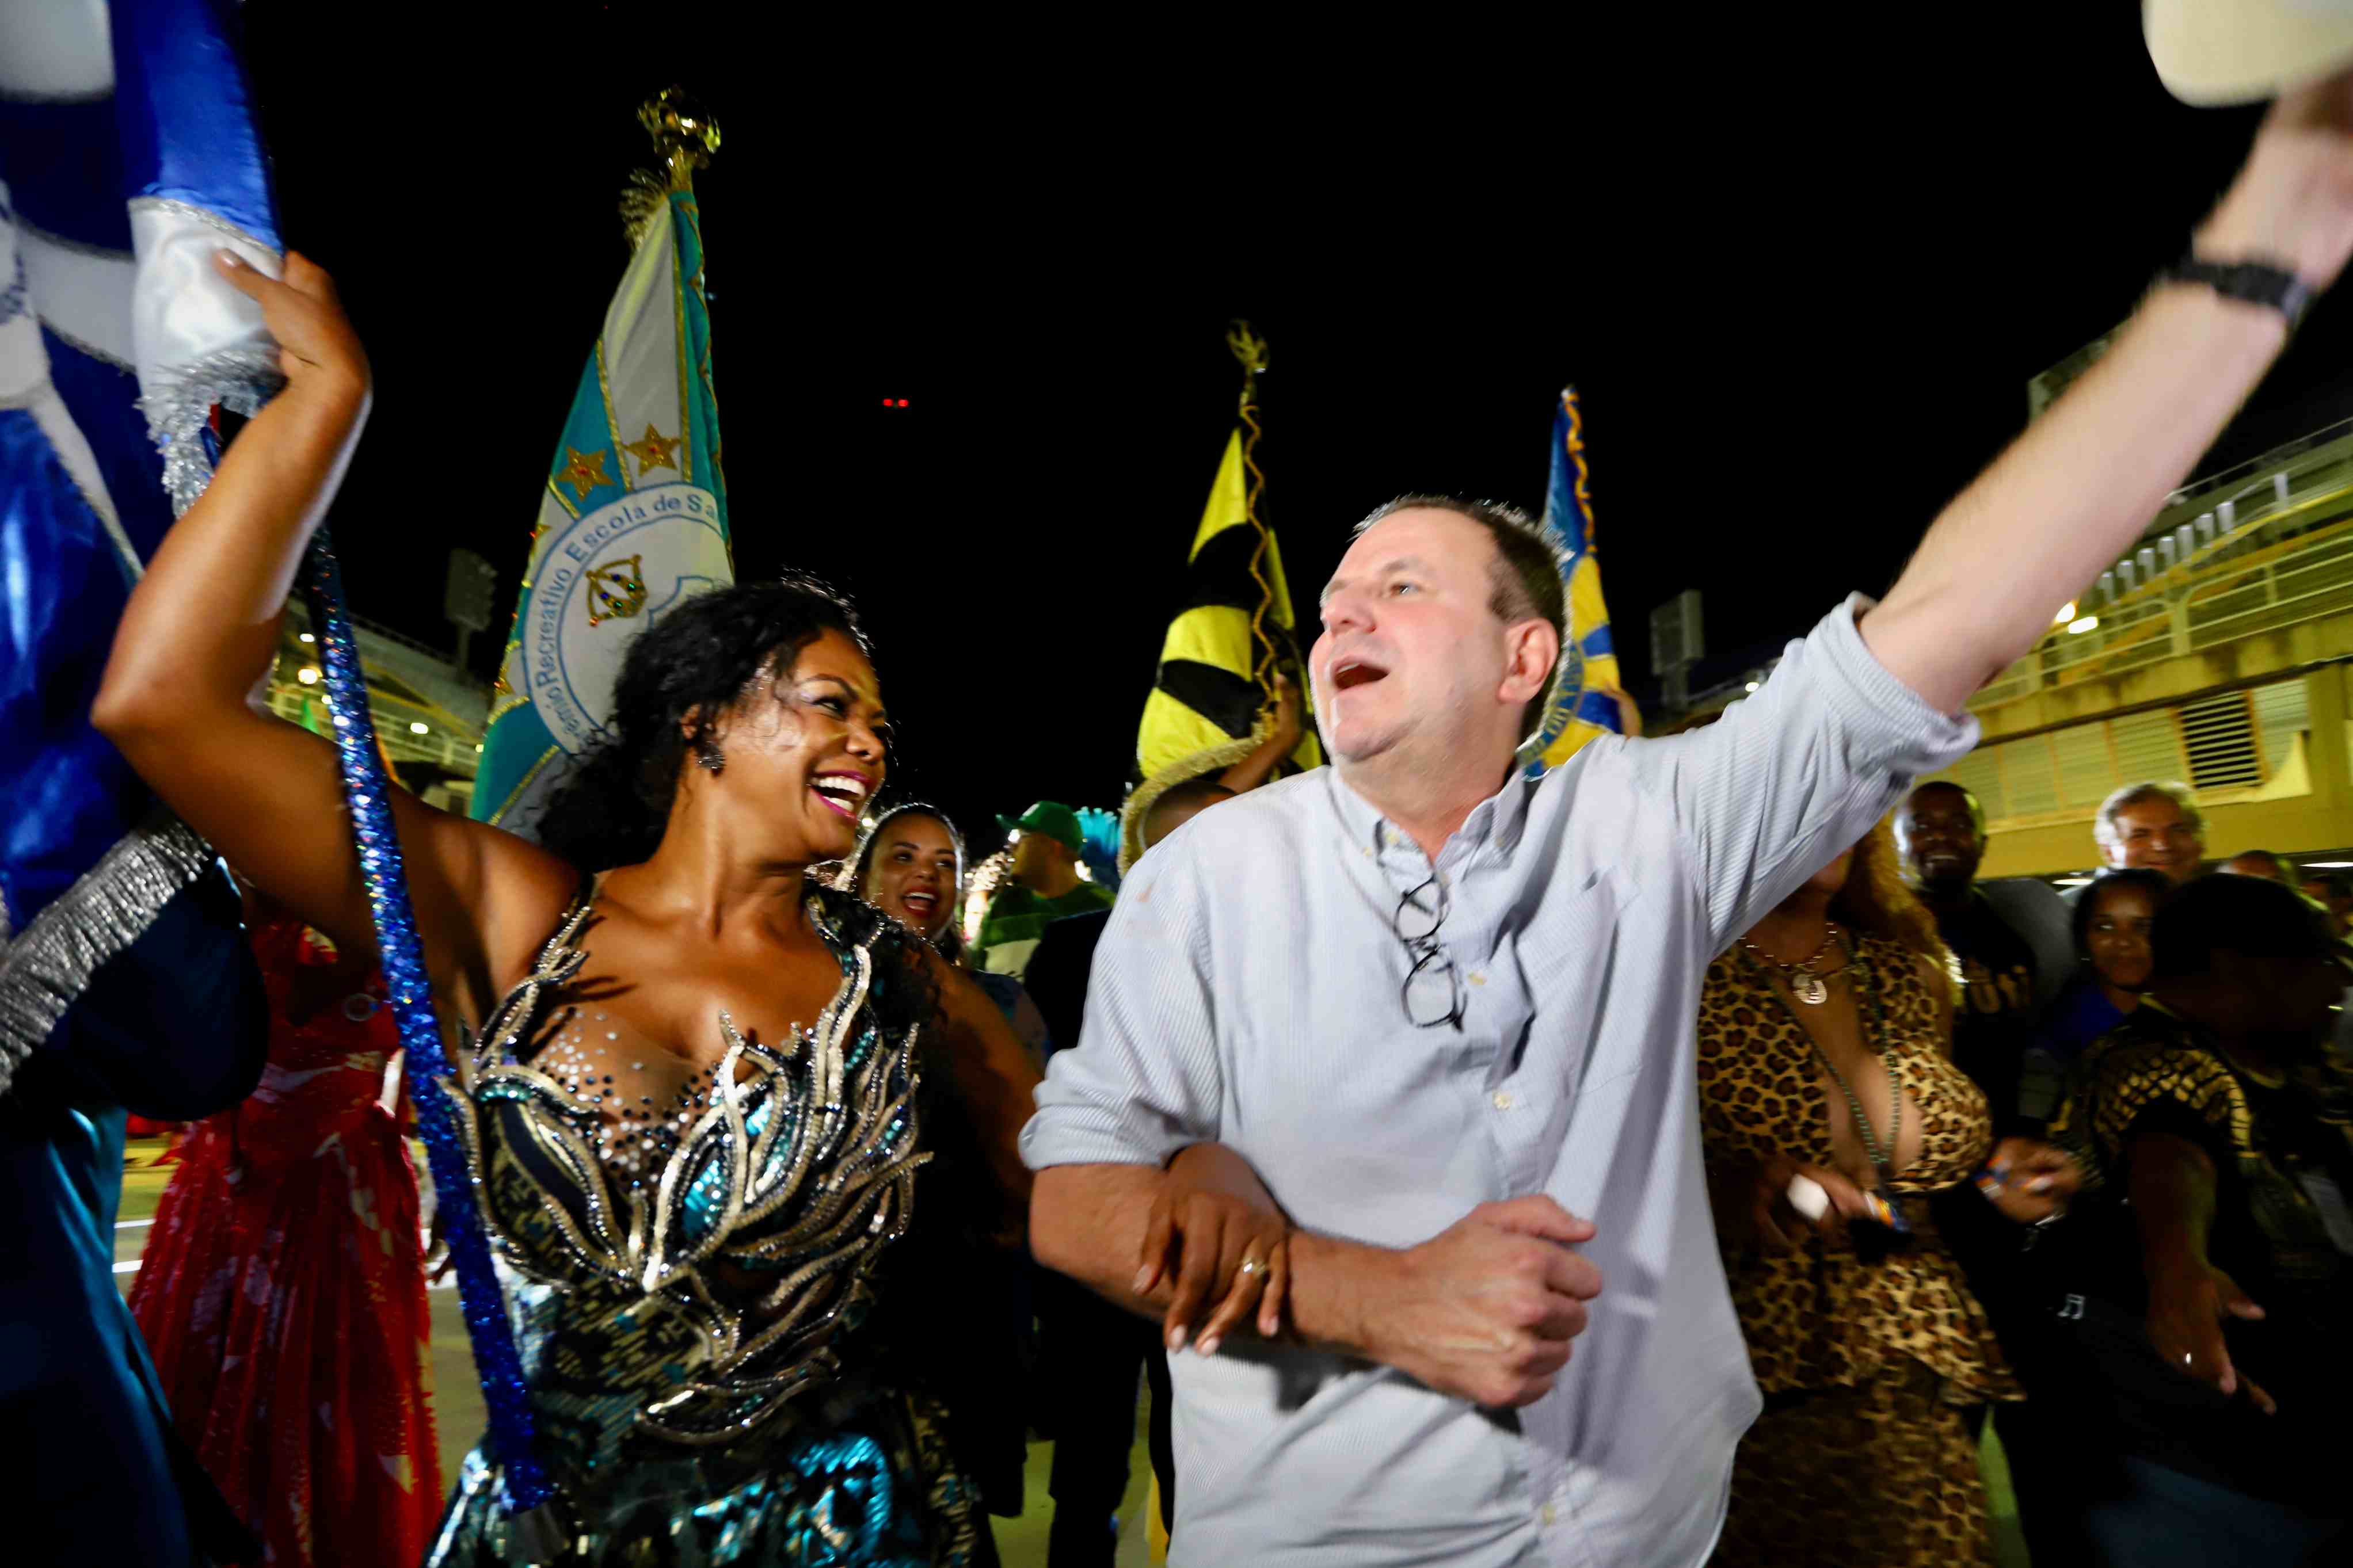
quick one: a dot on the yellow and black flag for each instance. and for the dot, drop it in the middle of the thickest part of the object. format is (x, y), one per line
(1213, 697)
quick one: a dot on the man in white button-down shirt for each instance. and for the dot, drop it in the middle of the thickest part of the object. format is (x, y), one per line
(1437, 1013)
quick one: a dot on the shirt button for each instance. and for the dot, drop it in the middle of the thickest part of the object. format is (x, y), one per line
(1551, 1514)
(1503, 1100)
(1478, 977)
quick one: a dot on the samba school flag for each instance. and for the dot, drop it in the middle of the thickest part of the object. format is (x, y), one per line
(1581, 707)
(633, 520)
(128, 155)
(1234, 627)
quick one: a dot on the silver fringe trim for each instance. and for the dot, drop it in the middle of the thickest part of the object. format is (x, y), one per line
(46, 966)
(644, 203)
(212, 220)
(179, 400)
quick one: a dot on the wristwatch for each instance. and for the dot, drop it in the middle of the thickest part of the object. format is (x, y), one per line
(2251, 282)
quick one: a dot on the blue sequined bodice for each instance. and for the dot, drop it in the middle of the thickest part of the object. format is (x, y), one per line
(689, 1267)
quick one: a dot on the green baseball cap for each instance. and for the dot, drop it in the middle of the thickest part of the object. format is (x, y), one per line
(1051, 817)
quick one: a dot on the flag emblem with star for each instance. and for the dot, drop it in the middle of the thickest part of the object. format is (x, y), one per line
(627, 528)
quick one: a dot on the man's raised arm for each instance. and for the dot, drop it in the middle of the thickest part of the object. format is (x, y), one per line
(2072, 493)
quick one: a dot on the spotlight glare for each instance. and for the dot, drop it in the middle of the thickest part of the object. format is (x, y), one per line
(418, 727)
(308, 675)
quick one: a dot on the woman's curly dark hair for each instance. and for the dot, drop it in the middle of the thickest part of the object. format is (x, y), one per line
(697, 658)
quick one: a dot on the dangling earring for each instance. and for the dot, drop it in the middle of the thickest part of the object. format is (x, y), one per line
(711, 757)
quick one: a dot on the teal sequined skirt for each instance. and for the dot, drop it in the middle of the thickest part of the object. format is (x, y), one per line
(876, 1491)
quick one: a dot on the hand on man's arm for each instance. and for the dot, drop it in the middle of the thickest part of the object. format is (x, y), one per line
(1485, 1310)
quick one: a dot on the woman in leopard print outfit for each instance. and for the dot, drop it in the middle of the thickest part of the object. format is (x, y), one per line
(1834, 1010)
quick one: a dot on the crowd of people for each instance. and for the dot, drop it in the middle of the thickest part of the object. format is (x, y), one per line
(1679, 1154)
(2057, 1048)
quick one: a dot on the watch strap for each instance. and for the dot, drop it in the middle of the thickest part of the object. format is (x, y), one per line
(2251, 282)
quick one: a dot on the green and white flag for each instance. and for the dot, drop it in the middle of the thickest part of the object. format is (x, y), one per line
(633, 521)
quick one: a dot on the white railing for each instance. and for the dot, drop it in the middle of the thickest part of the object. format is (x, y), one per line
(2274, 548)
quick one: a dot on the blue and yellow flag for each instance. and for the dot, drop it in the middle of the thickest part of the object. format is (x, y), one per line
(1583, 707)
(633, 522)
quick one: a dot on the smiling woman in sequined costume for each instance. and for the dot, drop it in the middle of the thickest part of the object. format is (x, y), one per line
(695, 1086)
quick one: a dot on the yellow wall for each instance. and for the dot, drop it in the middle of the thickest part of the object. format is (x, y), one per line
(2242, 661)
(2322, 819)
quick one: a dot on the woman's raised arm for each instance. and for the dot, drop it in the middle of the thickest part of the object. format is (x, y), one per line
(200, 631)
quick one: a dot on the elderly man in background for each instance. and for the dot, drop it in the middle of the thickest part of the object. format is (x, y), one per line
(2152, 824)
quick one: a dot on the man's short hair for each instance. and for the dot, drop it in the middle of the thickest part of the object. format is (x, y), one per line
(1977, 811)
(1182, 800)
(1525, 583)
(2281, 870)
(2250, 915)
(2104, 822)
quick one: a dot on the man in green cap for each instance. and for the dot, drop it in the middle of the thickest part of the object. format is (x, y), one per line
(1042, 887)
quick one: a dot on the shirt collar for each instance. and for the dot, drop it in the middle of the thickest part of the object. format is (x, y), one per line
(1495, 822)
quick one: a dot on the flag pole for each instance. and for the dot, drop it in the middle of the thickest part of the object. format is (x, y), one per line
(683, 134)
(684, 137)
(1250, 349)
(401, 952)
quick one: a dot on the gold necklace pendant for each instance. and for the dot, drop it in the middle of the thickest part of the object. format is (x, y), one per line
(1808, 987)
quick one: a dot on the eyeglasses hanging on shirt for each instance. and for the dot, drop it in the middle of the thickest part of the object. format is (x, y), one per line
(1431, 994)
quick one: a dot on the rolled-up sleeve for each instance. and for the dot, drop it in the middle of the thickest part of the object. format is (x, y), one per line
(1798, 771)
(1143, 1081)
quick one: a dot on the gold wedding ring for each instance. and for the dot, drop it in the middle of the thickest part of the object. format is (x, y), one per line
(1251, 1264)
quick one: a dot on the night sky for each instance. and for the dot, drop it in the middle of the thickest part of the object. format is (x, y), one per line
(1800, 275)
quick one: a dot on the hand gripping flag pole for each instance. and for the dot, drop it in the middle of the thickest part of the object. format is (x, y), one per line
(527, 1490)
